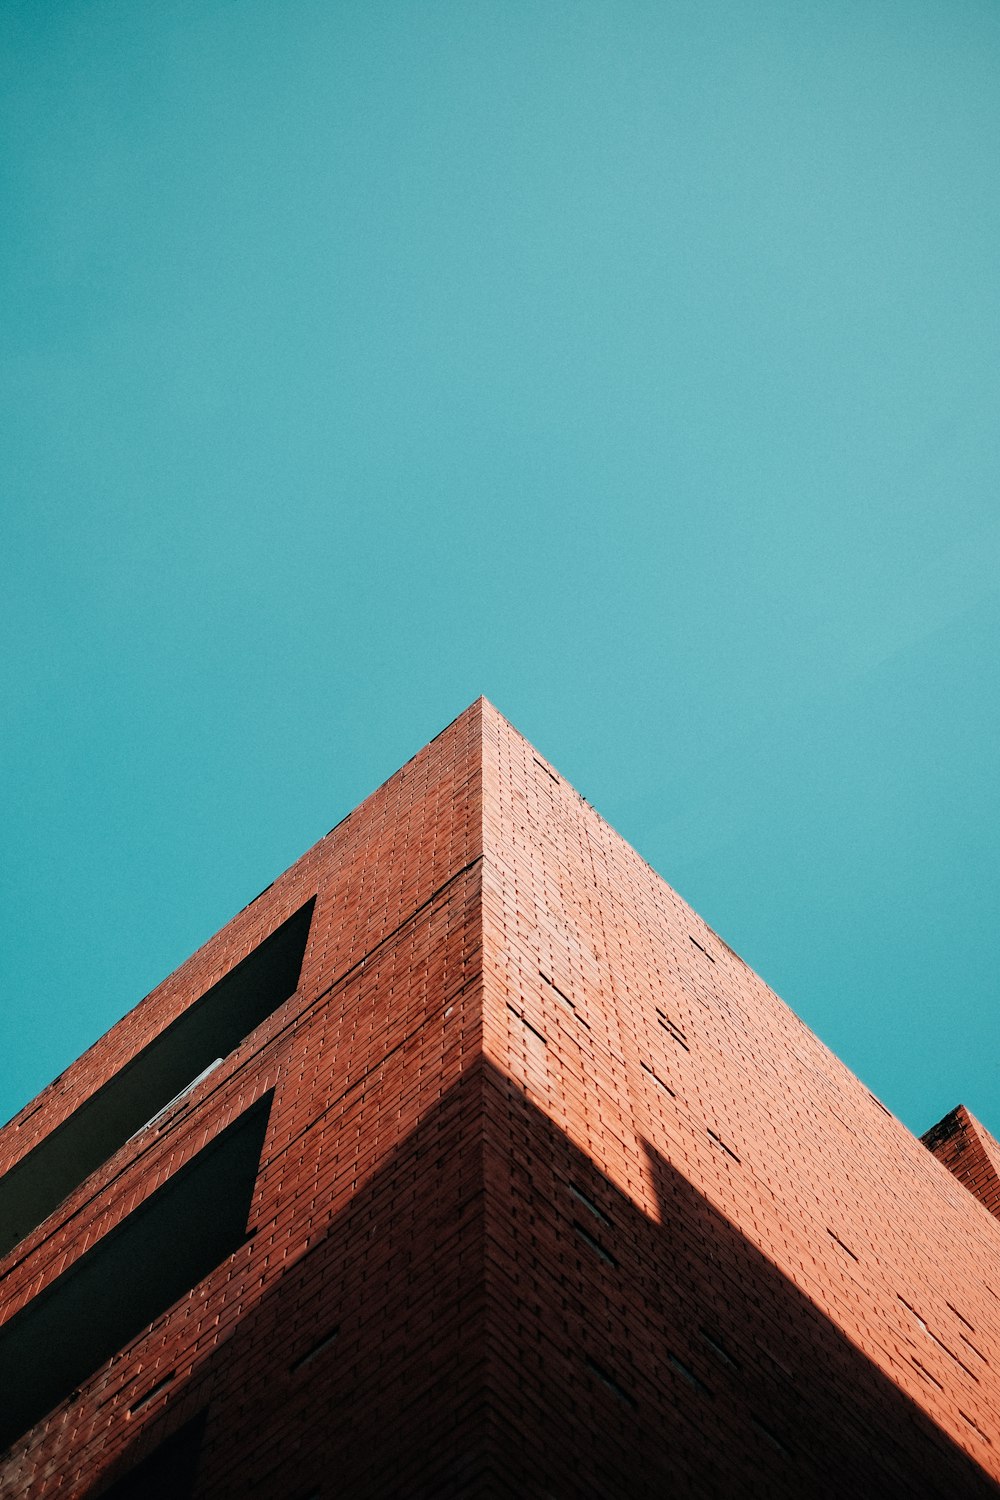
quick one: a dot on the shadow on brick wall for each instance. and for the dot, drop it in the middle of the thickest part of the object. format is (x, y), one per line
(492, 1317)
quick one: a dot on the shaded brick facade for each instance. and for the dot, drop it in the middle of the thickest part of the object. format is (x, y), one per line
(547, 1194)
(970, 1152)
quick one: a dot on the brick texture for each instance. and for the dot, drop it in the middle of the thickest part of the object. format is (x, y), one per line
(556, 1198)
(969, 1151)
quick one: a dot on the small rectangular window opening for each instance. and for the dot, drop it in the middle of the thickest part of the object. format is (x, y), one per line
(314, 1350)
(589, 1203)
(550, 774)
(958, 1315)
(595, 1245)
(657, 1079)
(935, 1340)
(926, 1373)
(672, 1029)
(718, 1141)
(846, 1248)
(977, 1352)
(772, 1437)
(561, 993)
(611, 1383)
(720, 1352)
(153, 1392)
(975, 1427)
(701, 949)
(563, 996)
(527, 1024)
(688, 1374)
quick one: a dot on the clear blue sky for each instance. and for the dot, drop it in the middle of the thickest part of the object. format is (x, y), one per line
(635, 364)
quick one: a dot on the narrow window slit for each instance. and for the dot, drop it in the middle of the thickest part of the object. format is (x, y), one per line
(550, 774)
(926, 1373)
(595, 1245)
(687, 1374)
(881, 1106)
(589, 1203)
(701, 949)
(975, 1426)
(847, 1249)
(722, 1145)
(611, 1383)
(314, 1350)
(934, 1339)
(153, 1392)
(527, 1024)
(22, 1122)
(563, 996)
(975, 1351)
(561, 993)
(719, 1351)
(672, 1029)
(657, 1079)
(772, 1437)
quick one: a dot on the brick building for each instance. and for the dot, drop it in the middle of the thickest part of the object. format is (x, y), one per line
(467, 1160)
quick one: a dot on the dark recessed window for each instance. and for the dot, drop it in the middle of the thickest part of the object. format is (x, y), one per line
(132, 1276)
(165, 1070)
(168, 1473)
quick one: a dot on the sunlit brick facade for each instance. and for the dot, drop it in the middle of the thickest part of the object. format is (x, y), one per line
(468, 1161)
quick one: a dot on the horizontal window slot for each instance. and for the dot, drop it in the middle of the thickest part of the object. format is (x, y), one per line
(721, 1353)
(958, 1315)
(527, 1024)
(687, 1374)
(979, 1354)
(772, 1437)
(701, 949)
(152, 1393)
(657, 1079)
(589, 1203)
(975, 1426)
(131, 1276)
(612, 1384)
(550, 774)
(718, 1141)
(563, 996)
(672, 1029)
(316, 1349)
(595, 1245)
(561, 993)
(881, 1106)
(926, 1373)
(846, 1248)
(159, 1076)
(935, 1340)
(25, 1118)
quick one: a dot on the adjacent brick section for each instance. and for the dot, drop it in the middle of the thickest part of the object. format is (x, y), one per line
(556, 1199)
(969, 1151)
(367, 1199)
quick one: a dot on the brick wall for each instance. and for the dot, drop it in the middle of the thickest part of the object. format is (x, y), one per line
(555, 1198)
(968, 1150)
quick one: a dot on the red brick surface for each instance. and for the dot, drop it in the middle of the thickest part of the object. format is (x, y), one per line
(556, 1199)
(969, 1151)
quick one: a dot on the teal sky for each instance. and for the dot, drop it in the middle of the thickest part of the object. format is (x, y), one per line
(634, 364)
